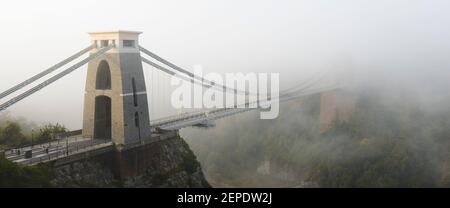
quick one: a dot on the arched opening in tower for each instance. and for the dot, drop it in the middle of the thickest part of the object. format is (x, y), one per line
(102, 124)
(103, 81)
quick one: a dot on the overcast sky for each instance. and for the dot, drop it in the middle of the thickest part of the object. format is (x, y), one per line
(293, 38)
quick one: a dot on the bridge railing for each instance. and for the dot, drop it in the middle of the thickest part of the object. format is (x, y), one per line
(189, 116)
(64, 149)
(183, 116)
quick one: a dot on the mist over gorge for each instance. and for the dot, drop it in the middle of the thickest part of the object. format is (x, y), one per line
(397, 136)
(387, 123)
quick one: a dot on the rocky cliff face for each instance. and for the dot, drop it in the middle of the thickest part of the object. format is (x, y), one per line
(168, 163)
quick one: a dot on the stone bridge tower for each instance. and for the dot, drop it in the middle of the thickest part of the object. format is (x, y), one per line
(115, 103)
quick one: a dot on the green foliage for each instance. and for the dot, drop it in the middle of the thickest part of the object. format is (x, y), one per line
(376, 162)
(49, 131)
(388, 142)
(17, 176)
(190, 163)
(14, 175)
(12, 134)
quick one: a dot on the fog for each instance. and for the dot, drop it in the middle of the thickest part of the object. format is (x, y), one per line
(405, 42)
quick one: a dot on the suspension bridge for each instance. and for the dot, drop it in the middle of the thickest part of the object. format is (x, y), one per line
(116, 111)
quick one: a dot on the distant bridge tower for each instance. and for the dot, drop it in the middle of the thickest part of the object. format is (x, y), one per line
(335, 106)
(115, 103)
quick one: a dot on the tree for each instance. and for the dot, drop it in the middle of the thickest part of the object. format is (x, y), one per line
(12, 135)
(47, 132)
(13, 175)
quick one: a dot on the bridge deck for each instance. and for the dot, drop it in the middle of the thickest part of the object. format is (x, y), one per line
(54, 150)
(73, 148)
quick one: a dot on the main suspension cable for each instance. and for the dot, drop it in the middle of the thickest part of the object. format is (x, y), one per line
(161, 68)
(54, 78)
(190, 74)
(45, 72)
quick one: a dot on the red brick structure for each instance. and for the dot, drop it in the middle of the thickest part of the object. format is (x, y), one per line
(336, 105)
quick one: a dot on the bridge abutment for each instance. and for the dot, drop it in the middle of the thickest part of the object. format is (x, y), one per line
(336, 105)
(164, 161)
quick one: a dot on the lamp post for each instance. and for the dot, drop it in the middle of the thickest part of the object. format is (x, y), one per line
(32, 136)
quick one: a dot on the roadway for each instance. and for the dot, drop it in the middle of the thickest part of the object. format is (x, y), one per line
(55, 149)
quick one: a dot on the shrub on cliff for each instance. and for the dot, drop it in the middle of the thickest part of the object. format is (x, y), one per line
(13, 175)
